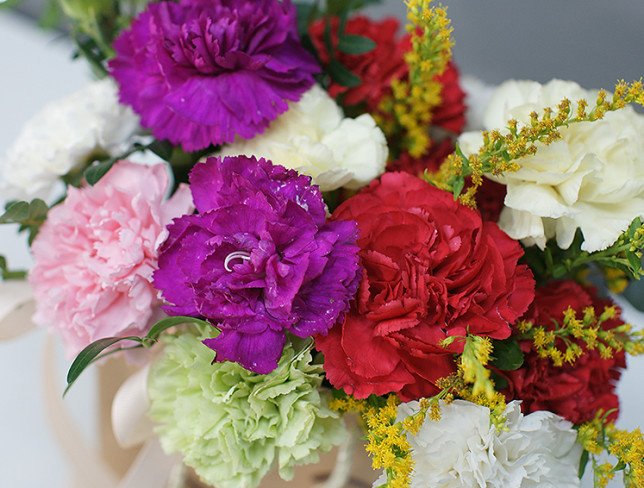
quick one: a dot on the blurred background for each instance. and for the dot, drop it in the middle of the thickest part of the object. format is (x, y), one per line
(592, 42)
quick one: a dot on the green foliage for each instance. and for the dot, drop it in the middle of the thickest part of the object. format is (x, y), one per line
(28, 215)
(103, 347)
(624, 255)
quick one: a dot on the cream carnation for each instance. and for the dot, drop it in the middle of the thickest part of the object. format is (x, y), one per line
(231, 425)
(95, 254)
(592, 179)
(465, 450)
(65, 135)
(314, 138)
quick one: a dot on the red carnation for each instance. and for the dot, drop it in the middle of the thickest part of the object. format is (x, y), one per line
(431, 161)
(379, 67)
(431, 269)
(576, 392)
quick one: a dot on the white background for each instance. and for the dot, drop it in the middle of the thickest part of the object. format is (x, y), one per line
(36, 68)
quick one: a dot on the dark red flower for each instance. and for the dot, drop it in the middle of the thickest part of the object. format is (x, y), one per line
(450, 114)
(490, 199)
(379, 67)
(576, 392)
(431, 269)
(430, 161)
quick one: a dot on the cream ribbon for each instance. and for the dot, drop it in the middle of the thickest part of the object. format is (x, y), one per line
(151, 468)
(130, 421)
(16, 308)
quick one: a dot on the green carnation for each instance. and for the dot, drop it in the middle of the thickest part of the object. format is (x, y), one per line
(232, 425)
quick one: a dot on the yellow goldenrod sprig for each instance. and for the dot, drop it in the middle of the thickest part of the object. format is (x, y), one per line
(501, 149)
(387, 442)
(600, 439)
(459, 388)
(406, 114)
(563, 343)
(472, 365)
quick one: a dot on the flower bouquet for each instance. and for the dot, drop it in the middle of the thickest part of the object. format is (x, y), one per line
(271, 209)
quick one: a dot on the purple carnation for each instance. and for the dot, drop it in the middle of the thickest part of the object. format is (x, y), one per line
(258, 260)
(200, 72)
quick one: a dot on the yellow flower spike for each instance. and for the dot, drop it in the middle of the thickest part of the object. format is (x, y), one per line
(416, 98)
(502, 152)
(575, 335)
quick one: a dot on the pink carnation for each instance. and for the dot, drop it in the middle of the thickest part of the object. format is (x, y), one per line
(95, 255)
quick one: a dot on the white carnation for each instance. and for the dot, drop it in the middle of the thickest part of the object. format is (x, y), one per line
(465, 450)
(314, 138)
(64, 136)
(592, 179)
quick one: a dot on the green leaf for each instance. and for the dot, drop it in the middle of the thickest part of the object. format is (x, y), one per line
(90, 354)
(164, 324)
(583, 462)
(507, 355)
(342, 75)
(350, 44)
(95, 172)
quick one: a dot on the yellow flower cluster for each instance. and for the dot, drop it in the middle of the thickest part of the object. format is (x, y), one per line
(387, 442)
(407, 113)
(501, 150)
(563, 344)
(456, 387)
(599, 437)
(472, 365)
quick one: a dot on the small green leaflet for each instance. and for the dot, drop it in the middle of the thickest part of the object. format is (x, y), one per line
(350, 44)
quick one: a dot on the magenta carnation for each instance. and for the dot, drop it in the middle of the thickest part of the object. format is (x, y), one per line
(258, 261)
(95, 255)
(200, 72)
